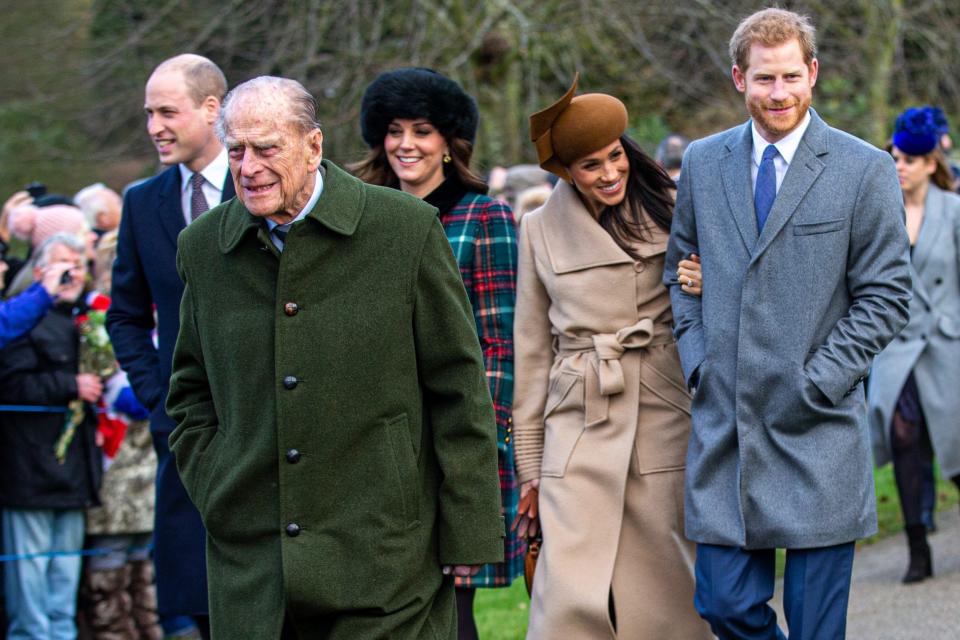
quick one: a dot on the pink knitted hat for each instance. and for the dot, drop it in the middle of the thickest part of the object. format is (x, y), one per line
(36, 224)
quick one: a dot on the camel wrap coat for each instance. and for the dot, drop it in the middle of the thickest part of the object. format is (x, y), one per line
(602, 417)
(930, 343)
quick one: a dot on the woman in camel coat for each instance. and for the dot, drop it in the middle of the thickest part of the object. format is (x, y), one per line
(601, 411)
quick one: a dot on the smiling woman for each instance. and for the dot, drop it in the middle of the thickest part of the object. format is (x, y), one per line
(602, 413)
(420, 127)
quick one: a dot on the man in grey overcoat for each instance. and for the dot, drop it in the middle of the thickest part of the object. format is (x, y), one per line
(800, 231)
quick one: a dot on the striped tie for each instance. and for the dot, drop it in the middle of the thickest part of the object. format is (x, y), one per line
(198, 203)
(280, 233)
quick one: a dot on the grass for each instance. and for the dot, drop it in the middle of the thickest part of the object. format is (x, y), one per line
(502, 613)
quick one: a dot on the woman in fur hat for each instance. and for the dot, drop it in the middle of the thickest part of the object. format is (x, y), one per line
(601, 410)
(420, 127)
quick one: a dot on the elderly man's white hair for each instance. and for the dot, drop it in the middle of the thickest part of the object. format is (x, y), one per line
(94, 199)
(67, 240)
(272, 92)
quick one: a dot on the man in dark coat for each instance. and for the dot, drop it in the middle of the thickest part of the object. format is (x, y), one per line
(44, 491)
(182, 103)
(333, 421)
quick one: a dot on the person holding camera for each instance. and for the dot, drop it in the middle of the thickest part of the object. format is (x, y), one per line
(50, 465)
(20, 314)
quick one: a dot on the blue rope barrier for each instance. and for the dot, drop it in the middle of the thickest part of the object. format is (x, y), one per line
(60, 554)
(29, 408)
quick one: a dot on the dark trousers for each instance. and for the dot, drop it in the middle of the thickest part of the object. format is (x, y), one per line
(735, 585)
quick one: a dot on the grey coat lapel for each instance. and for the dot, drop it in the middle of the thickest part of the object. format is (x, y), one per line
(933, 207)
(806, 167)
(930, 231)
(735, 171)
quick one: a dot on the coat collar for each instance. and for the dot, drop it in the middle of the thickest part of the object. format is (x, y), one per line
(933, 219)
(169, 210)
(573, 239)
(339, 209)
(804, 170)
(930, 230)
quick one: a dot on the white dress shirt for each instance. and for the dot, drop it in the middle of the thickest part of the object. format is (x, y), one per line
(307, 208)
(786, 149)
(214, 175)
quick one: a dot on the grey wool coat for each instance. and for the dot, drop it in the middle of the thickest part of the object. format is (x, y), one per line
(334, 426)
(930, 344)
(786, 330)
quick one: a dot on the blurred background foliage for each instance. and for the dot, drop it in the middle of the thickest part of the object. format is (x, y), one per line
(72, 88)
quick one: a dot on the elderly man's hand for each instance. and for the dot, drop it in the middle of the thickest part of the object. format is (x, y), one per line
(462, 570)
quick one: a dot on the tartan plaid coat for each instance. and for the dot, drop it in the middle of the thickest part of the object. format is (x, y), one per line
(482, 233)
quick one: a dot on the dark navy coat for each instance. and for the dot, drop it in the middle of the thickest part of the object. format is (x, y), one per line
(145, 275)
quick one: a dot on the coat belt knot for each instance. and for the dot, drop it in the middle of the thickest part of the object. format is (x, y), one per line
(604, 374)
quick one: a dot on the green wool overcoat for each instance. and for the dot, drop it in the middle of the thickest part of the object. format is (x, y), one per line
(334, 426)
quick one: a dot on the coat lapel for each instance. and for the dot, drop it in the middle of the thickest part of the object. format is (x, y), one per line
(735, 172)
(806, 167)
(573, 239)
(228, 190)
(930, 229)
(339, 209)
(169, 209)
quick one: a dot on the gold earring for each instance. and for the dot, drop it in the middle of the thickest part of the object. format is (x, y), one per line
(447, 158)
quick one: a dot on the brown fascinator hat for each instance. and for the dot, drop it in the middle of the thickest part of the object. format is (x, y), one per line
(573, 127)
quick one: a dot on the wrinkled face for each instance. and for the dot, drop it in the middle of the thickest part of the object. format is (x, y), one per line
(181, 131)
(602, 176)
(914, 172)
(415, 151)
(272, 162)
(777, 86)
(78, 272)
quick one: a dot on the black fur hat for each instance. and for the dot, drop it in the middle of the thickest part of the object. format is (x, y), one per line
(417, 93)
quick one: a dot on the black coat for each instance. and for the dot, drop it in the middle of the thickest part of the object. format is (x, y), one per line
(40, 369)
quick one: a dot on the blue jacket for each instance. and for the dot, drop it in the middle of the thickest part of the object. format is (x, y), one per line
(21, 314)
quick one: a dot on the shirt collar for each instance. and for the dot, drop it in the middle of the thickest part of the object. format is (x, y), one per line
(317, 189)
(786, 147)
(214, 173)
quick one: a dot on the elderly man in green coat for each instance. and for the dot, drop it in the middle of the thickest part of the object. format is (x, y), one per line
(334, 426)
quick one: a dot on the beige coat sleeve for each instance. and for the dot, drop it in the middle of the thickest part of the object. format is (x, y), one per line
(533, 356)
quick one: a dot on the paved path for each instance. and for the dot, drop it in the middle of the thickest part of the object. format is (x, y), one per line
(883, 609)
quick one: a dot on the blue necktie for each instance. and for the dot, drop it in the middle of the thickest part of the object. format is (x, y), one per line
(766, 190)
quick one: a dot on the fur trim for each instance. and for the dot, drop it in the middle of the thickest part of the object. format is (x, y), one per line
(417, 93)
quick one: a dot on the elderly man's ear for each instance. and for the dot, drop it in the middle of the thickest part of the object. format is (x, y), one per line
(315, 149)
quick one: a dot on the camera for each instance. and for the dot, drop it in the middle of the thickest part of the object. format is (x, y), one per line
(36, 189)
(66, 277)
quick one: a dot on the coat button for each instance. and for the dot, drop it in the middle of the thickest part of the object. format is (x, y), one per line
(290, 382)
(638, 266)
(938, 281)
(293, 456)
(293, 529)
(923, 336)
(291, 308)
